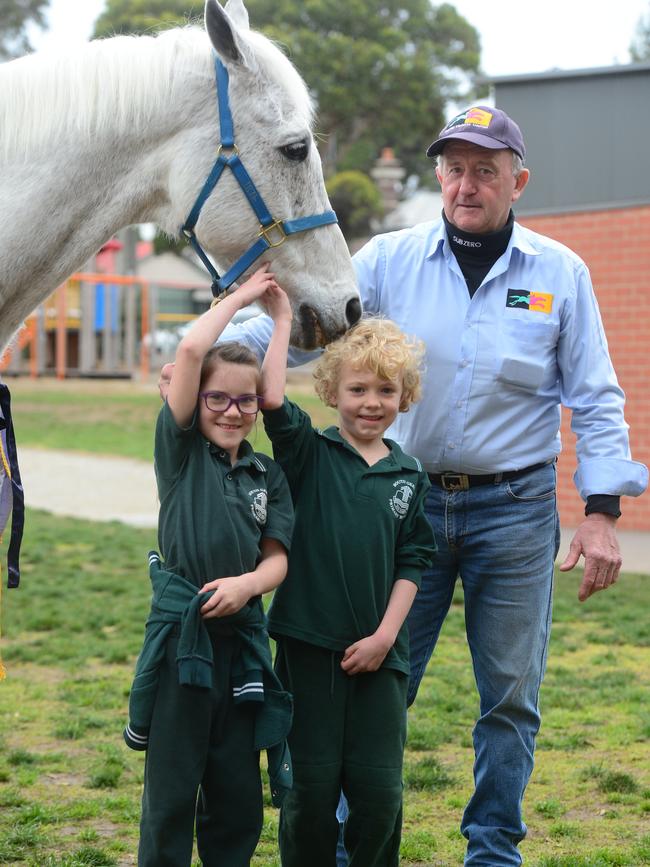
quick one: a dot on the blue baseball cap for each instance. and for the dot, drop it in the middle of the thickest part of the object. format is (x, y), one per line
(481, 125)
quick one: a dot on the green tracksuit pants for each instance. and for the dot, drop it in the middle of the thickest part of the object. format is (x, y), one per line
(200, 743)
(348, 732)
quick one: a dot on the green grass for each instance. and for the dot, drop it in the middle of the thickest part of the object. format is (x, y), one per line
(114, 418)
(70, 790)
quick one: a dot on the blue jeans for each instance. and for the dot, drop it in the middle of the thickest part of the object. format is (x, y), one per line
(502, 540)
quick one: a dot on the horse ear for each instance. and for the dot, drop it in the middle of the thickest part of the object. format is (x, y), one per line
(222, 27)
(237, 12)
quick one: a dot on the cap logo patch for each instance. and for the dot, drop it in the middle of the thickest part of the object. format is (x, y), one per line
(478, 116)
(474, 116)
(539, 302)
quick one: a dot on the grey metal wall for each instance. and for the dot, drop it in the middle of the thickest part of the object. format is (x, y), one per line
(587, 135)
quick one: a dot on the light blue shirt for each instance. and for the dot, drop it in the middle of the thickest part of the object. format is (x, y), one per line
(499, 364)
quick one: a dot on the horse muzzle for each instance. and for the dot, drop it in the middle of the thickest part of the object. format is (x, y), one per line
(313, 329)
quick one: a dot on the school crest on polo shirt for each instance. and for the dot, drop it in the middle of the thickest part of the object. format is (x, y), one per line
(258, 505)
(400, 501)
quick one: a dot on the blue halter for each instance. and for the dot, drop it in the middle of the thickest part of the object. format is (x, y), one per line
(272, 232)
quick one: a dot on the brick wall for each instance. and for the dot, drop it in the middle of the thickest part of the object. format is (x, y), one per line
(615, 244)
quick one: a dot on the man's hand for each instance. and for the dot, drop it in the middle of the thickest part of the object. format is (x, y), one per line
(596, 540)
(365, 655)
(165, 378)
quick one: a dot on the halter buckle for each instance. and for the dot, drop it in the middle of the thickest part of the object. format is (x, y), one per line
(233, 149)
(272, 227)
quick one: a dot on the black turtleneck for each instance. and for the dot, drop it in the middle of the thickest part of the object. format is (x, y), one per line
(476, 254)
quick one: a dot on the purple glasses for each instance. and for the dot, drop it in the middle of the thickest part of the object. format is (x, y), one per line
(219, 401)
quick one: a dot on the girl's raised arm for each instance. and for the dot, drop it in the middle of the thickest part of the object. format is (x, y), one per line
(183, 390)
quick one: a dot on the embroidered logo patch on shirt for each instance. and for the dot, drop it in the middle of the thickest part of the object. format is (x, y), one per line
(540, 302)
(399, 502)
(258, 506)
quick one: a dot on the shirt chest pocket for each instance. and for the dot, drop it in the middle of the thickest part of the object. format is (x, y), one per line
(526, 353)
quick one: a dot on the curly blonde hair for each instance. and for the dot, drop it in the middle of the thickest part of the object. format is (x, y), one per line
(377, 345)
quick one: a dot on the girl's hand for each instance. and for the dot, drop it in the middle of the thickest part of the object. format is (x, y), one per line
(229, 596)
(254, 288)
(276, 303)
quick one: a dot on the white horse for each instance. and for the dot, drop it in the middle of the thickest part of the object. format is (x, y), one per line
(127, 130)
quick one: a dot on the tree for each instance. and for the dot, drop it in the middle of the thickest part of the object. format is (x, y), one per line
(15, 15)
(381, 71)
(640, 46)
(143, 16)
(356, 201)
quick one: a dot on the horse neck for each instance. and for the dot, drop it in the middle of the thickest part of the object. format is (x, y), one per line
(62, 204)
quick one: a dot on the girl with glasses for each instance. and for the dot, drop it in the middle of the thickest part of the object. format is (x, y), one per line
(205, 696)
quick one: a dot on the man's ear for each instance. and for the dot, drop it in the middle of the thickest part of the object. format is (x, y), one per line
(520, 183)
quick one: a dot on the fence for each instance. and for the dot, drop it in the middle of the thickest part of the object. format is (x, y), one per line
(101, 325)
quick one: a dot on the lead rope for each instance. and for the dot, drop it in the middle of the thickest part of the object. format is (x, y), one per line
(7, 469)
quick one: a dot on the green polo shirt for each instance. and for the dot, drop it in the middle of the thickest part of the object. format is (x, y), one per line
(358, 529)
(213, 515)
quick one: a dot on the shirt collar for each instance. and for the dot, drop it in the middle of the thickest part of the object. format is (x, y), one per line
(519, 240)
(437, 238)
(246, 456)
(396, 457)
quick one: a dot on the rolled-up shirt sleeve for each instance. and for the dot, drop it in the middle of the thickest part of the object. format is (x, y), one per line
(590, 389)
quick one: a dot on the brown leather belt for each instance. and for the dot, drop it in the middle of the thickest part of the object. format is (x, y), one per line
(463, 481)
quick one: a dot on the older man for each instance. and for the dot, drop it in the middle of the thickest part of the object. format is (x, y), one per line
(512, 331)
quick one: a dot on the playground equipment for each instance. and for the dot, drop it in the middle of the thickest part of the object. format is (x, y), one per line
(101, 325)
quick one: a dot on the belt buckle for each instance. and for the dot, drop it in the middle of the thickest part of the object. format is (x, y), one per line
(454, 481)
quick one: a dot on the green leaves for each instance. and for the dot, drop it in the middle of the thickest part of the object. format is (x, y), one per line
(15, 15)
(380, 71)
(144, 16)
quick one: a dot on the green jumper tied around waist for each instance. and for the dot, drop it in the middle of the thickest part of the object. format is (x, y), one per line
(176, 603)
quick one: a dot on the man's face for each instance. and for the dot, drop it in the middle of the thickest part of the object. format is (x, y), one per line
(478, 186)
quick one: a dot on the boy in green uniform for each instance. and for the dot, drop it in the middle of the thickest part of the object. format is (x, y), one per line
(360, 544)
(205, 698)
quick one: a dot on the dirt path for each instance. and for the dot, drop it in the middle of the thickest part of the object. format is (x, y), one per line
(88, 486)
(102, 488)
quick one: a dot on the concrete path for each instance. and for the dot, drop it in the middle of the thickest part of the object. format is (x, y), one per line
(79, 485)
(122, 489)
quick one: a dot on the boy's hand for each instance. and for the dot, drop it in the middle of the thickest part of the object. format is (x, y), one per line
(365, 655)
(229, 596)
(276, 303)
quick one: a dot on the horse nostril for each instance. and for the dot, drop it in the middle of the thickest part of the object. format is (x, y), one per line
(353, 311)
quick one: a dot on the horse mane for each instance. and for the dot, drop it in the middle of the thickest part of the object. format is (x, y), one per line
(117, 86)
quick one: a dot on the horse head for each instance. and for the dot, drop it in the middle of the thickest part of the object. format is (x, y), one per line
(272, 114)
(127, 130)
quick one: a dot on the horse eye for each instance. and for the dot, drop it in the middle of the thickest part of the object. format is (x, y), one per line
(297, 151)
